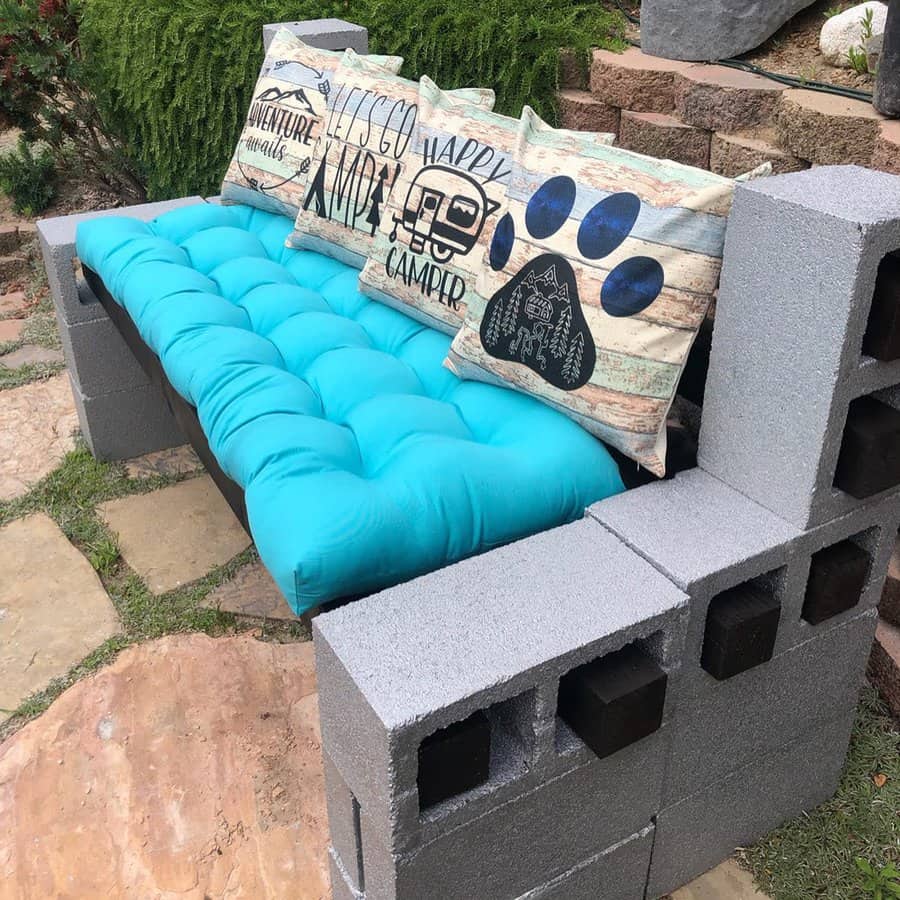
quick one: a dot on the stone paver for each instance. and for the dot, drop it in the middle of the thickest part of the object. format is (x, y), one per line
(175, 535)
(174, 461)
(30, 355)
(190, 767)
(53, 609)
(37, 423)
(13, 303)
(251, 592)
(11, 329)
(727, 881)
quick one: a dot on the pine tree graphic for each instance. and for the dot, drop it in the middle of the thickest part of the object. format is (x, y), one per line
(317, 191)
(560, 336)
(492, 336)
(512, 312)
(572, 366)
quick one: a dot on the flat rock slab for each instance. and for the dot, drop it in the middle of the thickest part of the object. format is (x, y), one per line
(727, 881)
(31, 355)
(11, 329)
(884, 664)
(53, 609)
(13, 303)
(173, 461)
(252, 592)
(37, 426)
(190, 768)
(175, 535)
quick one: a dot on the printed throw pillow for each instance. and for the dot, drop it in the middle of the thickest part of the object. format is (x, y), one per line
(368, 134)
(599, 276)
(273, 154)
(432, 242)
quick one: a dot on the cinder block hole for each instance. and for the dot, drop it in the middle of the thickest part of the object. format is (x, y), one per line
(613, 701)
(478, 754)
(882, 338)
(838, 575)
(869, 458)
(741, 626)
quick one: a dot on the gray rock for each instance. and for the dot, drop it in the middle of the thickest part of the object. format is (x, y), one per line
(887, 85)
(874, 48)
(711, 29)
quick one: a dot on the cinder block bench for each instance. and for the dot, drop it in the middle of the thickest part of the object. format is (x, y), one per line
(606, 708)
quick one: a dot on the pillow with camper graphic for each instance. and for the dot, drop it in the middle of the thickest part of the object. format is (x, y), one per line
(443, 209)
(271, 162)
(597, 279)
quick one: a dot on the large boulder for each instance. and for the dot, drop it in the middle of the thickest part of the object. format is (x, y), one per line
(189, 768)
(847, 32)
(704, 30)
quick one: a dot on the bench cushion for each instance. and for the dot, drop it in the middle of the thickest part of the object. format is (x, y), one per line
(363, 460)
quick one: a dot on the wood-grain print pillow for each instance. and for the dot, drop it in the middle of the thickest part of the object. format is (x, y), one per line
(598, 278)
(271, 162)
(432, 240)
(368, 133)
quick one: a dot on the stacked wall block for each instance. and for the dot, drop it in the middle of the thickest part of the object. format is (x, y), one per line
(799, 342)
(782, 537)
(326, 34)
(458, 715)
(121, 413)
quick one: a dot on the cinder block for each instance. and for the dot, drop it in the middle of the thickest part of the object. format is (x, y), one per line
(341, 888)
(124, 424)
(493, 633)
(98, 359)
(723, 725)
(704, 828)
(618, 873)
(344, 828)
(786, 359)
(527, 842)
(57, 238)
(326, 34)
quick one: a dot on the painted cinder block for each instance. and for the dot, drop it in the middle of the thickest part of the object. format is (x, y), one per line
(493, 633)
(723, 725)
(341, 886)
(528, 841)
(344, 828)
(326, 34)
(701, 830)
(57, 238)
(97, 356)
(786, 359)
(124, 424)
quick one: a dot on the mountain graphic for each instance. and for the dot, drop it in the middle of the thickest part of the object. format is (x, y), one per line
(536, 319)
(295, 97)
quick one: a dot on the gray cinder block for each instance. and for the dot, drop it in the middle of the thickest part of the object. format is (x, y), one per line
(124, 424)
(97, 356)
(493, 633)
(711, 29)
(703, 535)
(703, 829)
(528, 840)
(57, 238)
(326, 34)
(723, 725)
(618, 873)
(341, 888)
(344, 827)
(786, 354)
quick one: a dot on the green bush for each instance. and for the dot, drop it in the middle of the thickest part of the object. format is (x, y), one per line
(29, 179)
(179, 74)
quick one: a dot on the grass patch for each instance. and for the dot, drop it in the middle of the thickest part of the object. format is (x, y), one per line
(815, 855)
(70, 496)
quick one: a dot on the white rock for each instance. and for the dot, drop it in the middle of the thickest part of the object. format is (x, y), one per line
(844, 32)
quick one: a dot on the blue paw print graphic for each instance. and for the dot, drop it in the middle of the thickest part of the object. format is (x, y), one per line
(536, 318)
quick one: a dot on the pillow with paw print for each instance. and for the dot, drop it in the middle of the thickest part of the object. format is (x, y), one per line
(270, 166)
(595, 283)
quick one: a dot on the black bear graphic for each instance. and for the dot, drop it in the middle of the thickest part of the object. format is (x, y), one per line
(536, 319)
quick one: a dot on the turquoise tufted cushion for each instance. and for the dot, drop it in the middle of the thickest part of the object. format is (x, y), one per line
(363, 460)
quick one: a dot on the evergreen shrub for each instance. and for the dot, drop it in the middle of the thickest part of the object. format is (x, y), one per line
(178, 75)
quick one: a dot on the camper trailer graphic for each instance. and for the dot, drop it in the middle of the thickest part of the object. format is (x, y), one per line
(445, 210)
